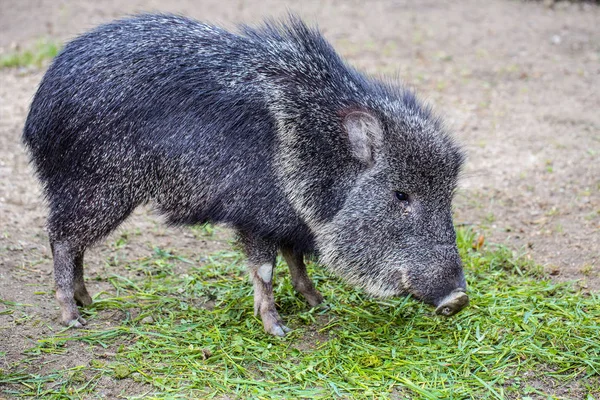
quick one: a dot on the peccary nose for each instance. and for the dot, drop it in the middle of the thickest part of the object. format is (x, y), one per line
(452, 303)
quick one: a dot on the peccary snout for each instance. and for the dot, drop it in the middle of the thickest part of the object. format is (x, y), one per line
(453, 303)
(441, 284)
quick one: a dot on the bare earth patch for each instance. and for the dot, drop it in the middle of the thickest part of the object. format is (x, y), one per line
(517, 81)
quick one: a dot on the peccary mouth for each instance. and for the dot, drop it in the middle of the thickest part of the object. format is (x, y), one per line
(453, 303)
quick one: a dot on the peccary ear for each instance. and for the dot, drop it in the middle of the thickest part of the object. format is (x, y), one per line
(364, 134)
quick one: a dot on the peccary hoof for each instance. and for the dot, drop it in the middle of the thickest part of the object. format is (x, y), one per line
(77, 322)
(453, 303)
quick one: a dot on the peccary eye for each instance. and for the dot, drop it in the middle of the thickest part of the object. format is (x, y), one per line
(401, 196)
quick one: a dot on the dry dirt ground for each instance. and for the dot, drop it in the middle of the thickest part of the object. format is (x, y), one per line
(518, 82)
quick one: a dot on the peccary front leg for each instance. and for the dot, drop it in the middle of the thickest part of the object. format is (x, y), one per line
(261, 261)
(68, 274)
(300, 279)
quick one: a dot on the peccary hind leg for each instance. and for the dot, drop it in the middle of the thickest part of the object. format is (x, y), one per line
(70, 288)
(75, 222)
(82, 297)
(300, 278)
(261, 261)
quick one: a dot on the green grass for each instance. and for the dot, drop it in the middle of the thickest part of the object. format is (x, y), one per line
(35, 57)
(518, 324)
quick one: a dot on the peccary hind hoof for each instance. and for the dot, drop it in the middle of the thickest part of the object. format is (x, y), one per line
(77, 322)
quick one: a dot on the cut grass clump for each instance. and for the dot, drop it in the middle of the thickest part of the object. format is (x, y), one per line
(195, 336)
(43, 51)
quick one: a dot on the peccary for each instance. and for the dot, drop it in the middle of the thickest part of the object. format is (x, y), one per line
(267, 131)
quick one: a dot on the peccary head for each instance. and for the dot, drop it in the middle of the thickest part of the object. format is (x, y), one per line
(394, 232)
(376, 188)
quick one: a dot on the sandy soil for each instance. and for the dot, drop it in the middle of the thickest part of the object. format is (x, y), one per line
(517, 81)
